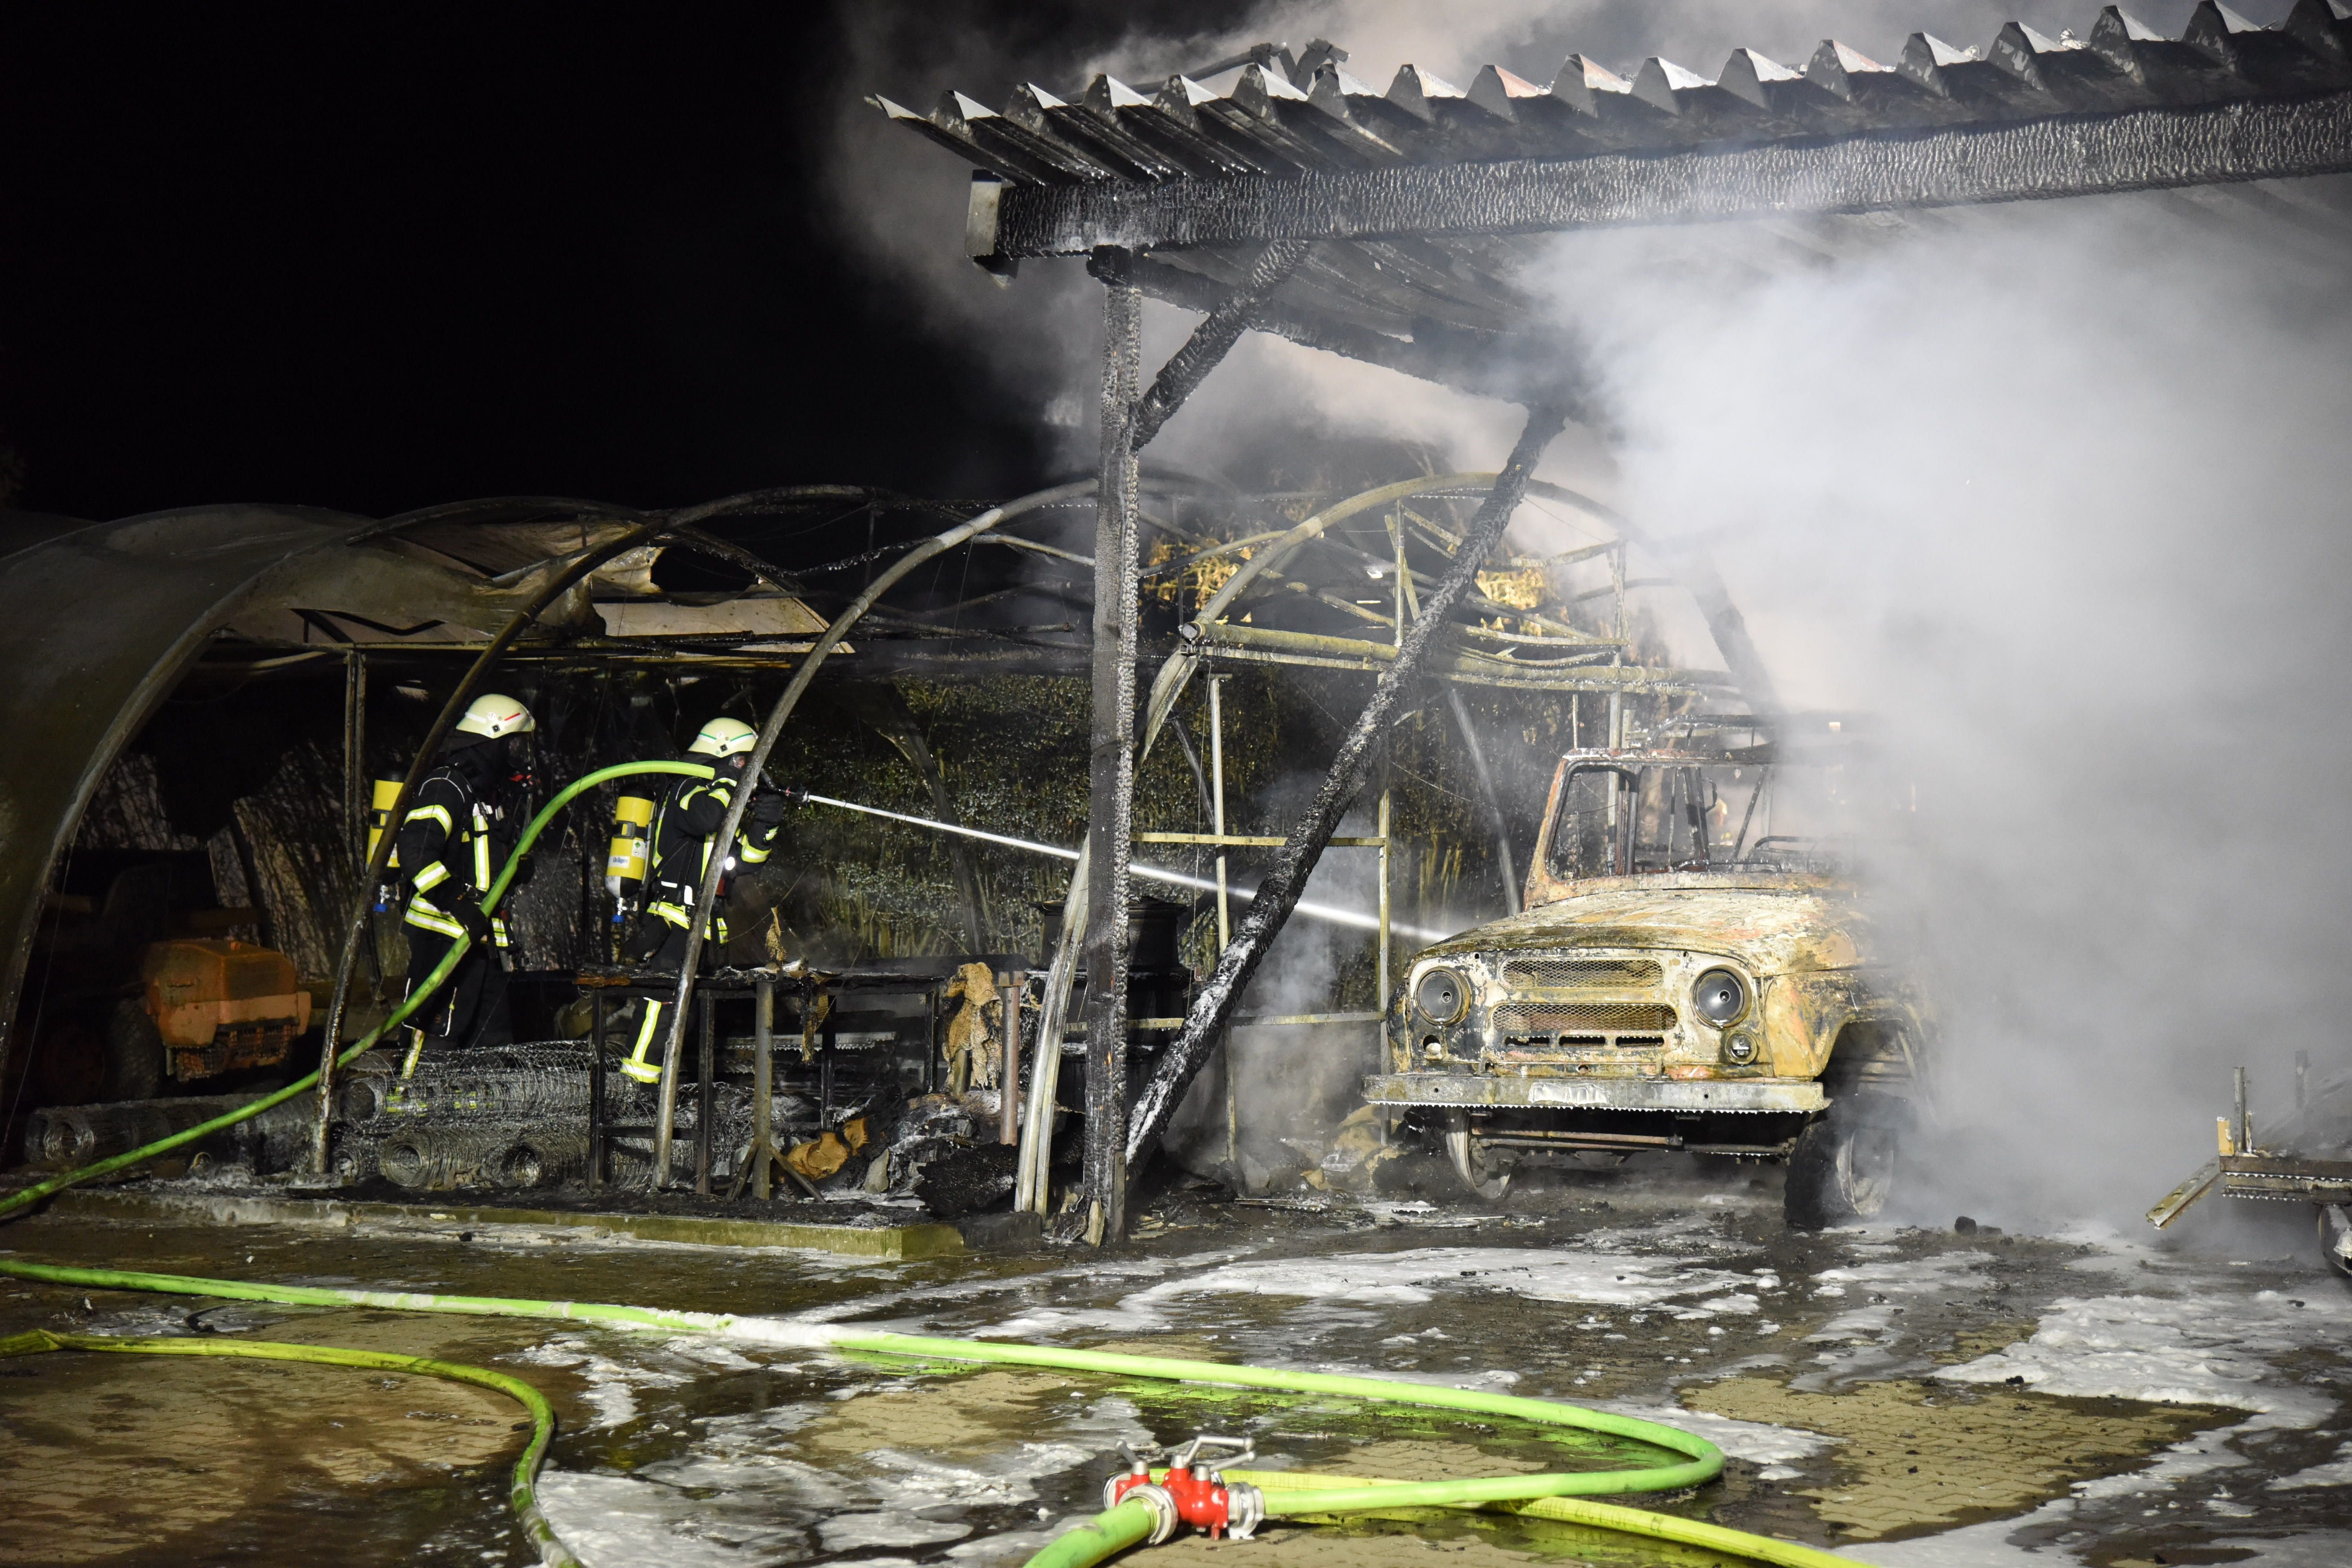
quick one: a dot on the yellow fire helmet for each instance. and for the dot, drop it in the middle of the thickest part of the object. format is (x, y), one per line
(493, 715)
(725, 737)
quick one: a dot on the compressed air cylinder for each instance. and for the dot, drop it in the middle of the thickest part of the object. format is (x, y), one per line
(387, 791)
(626, 863)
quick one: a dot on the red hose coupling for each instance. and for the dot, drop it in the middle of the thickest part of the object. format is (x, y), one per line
(1138, 1488)
(1198, 1497)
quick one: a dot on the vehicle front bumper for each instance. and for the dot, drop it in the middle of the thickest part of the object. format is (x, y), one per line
(1444, 1088)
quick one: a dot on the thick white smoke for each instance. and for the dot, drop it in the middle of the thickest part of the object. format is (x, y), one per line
(2059, 496)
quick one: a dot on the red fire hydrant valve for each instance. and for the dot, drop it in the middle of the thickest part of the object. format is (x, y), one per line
(1191, 1493)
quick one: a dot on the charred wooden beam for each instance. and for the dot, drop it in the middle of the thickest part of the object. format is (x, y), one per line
(1949, 165)
(1211, 340)
(1534, 362)
(1111, 798)
(1278, 891)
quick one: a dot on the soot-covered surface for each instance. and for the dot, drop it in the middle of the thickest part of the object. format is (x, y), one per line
(1919, 1399)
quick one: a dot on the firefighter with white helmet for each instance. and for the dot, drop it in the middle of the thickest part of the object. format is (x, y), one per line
(458, 832)
(681, 842)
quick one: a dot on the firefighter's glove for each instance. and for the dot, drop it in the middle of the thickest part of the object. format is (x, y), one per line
(644, 939)
(469, 914)
(768, 807)
(524, 868)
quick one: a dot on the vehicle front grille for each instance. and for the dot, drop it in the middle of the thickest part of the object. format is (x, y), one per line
(1520, 1020)
(1574, 974)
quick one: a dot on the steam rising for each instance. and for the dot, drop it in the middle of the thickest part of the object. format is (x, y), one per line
(2057, 495)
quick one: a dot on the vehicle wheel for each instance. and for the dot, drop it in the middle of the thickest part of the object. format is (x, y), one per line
(1464, 1158)
(2335, 1237)
(134, 1053)
(1844, 1164)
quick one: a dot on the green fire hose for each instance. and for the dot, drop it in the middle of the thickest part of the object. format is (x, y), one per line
(1558, 1496)
(16, 1203)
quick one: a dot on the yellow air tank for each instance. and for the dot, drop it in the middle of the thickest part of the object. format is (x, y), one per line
(379, 818)
(626, 863)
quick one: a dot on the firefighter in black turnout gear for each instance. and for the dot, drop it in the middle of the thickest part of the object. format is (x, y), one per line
(684, 828)
(456, 835)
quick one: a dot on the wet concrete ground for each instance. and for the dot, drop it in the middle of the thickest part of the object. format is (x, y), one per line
(1913, 1398)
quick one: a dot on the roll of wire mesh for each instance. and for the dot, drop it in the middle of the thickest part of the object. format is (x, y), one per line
(514, 1156)
(61, 1136)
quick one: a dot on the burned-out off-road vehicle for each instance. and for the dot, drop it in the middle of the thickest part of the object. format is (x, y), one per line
(1691, 970)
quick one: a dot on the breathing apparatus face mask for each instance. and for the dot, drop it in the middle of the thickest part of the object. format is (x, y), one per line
(519, 765)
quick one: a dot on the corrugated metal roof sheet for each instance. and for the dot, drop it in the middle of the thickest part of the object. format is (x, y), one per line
(1419, 193)
(1321, 118)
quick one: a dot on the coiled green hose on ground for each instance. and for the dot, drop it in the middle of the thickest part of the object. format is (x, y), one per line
(16, 1203)
(522, 1492)
(1288, 1494)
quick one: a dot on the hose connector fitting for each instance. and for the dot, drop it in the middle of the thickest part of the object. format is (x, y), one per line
(1245, 1510)
(1128, 1488)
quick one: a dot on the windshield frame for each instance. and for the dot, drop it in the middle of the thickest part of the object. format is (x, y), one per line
(1679, 789)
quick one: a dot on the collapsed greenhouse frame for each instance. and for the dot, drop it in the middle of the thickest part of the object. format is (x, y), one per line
(375, 590)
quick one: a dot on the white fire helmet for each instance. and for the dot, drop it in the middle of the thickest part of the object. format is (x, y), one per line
(724, 737)
(493, 715)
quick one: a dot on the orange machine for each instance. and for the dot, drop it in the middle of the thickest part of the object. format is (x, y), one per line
(222, 1006)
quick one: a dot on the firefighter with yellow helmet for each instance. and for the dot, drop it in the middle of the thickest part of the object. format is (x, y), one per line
(680, 843)
(458, 832)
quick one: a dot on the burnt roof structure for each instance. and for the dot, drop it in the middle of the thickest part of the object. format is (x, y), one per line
(1418, 198)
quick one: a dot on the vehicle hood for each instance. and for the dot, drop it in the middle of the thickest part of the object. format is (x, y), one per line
(1773, 924)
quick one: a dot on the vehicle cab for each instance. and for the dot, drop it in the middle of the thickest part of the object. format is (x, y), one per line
(1692, 970)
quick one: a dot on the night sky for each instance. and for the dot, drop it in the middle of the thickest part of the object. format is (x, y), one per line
(377, 260)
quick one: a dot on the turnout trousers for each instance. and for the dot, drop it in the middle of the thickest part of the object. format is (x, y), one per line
(470, 1008)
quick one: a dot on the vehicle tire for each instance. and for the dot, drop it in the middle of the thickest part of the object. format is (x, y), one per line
(1844, 1164)
(134, 1053)
(2335, 1237)
(1464, 1158)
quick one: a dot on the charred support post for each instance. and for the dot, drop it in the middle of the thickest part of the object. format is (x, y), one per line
(1280, 893)
(1008, 1092)
(355, 755)
(1225, 909)
(1128, 423)
(763, 1085)
(1110, 800)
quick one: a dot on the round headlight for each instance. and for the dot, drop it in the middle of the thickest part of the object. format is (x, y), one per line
(1720, 997)
(1443, 995)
